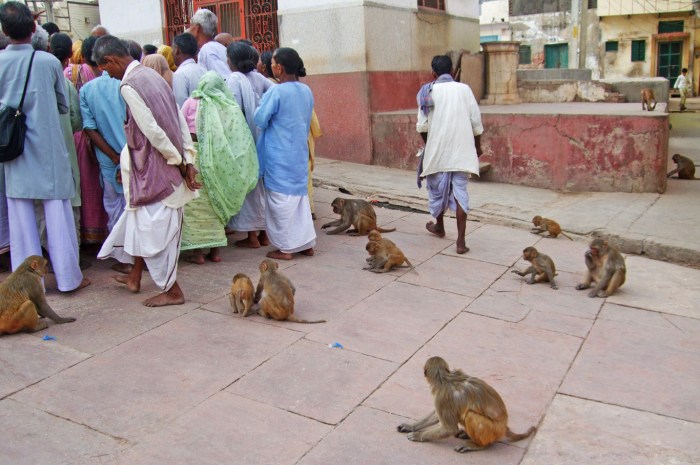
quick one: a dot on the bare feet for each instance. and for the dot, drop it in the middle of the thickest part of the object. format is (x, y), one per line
(462, 249)
(262, 237)
(196, 258)
(84, 283)
(228, 231)
(128, 282)
(214, 256)
(279, 255)
(251, 243)
(308, 252)
(433, 228)
(123, 267)
(164, 299)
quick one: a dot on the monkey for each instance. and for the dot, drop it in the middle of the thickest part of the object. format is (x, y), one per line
(242, 294)
(275, 294)
(384, 254)
(547, 225)
(354, 212)
(466, 401)
(23, 300)
(541, 269)
(647, 98)
(685, 167)
(606, 268)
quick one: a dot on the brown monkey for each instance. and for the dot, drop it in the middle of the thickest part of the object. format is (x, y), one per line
(384, 254)
(647, 98)
(462, 400)
(606, 268)
(543, 225)
(541, 269)
(685, 167)
(275, 294)
(242, 294)
(354, 212)
(22, 299)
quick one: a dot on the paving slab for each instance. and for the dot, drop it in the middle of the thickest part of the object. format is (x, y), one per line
(525, 366)
(26, 359)
(369, 436)
(144, 383)
(578, 431)
(511, 243)
(393, 322)
(314, 380)
(640, 359)
(34, 437)
(415, 222)
(227, 428)
(455, 274)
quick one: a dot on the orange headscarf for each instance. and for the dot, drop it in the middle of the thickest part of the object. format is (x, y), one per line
(158, 63)
(167, 52)
(77, 57)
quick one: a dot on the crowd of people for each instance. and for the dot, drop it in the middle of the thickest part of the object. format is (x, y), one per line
(150, 151)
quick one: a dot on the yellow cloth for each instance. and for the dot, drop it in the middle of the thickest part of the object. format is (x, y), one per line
(167, 52)
(77, 57)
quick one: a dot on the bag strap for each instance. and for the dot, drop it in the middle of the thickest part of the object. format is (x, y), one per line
(26, 82)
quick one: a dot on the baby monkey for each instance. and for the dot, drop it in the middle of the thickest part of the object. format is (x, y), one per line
(541, 269)
(384, 255)
(543, 225)
(242, 294)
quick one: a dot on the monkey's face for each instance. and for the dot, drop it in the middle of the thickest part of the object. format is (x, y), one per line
(374, 235)
(675, 158)
(537, 220)
(338, 205)
(371, 248)
(594, 251)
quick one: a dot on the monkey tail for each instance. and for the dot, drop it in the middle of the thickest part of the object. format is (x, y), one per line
(385, 230)
(513, 437)
(413, 268)
(299, 320)
(566, 235)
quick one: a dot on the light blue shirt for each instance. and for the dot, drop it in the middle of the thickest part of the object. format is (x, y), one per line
(185, 80)
(212, 56)
(284, 115)
(104, 110)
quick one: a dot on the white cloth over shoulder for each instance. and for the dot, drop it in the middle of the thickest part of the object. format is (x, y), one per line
(151, 232)
(288, 222)
(451, 126)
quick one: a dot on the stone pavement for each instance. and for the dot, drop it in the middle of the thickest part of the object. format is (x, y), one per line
(608, 381)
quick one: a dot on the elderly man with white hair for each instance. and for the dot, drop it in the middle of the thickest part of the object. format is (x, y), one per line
(212, 55)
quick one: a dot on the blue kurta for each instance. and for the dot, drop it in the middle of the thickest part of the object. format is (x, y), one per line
(43, 171)
(284, 115)
(104, 110)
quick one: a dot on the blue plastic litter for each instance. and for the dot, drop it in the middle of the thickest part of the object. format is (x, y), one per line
(48, 338)
(337, 345)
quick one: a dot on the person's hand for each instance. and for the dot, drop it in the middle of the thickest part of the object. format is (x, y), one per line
(190, 173)
(119, 177)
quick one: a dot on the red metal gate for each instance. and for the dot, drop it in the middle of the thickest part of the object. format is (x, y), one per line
(261, 24)
(228, 12)
(177, 18)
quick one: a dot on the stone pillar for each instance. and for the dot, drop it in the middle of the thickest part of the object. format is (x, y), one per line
(501, 66)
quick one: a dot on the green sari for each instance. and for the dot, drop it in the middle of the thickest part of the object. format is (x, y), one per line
(227, 162)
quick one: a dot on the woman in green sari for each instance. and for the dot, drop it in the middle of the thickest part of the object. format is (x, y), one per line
(227, 164)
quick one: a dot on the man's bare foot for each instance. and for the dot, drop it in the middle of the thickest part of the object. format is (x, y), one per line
(279, 255)
(228, 231)
(197, 258)
(123, 267)
(214, 256)
(308, 252)
(128, 282)
(164, 299)
(84, 283)
(247, 242)
(264, 240)
(433, 228)
(462, 249)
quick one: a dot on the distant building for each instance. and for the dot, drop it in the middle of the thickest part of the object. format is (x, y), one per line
(74, 17)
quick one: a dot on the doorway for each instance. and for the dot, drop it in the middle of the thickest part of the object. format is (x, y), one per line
(669, 59)
(556, 56)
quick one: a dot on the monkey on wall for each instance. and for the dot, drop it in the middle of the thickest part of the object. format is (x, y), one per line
(354, 212)
(541, 267)
(648, 98)
(606, 268)
(242, 294)
(275, 294)
(543, 225)
(22, 299)
(462, 401)
(685, 167)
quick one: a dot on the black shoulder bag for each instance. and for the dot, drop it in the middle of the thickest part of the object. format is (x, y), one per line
(13, 126)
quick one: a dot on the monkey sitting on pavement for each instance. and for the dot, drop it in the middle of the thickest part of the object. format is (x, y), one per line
(685, 167)
(23, 300)
(275, 294)
(541, 267)
(543, 225)
(354, 212)
(606, 268)
(647, 99)
(384, 255)
(242, 294)
(465, 407)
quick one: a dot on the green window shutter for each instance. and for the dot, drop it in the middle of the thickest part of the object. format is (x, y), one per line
(638, 50)
(611, 46)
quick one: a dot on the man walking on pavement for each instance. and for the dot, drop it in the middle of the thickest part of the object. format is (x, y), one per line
(449, 122)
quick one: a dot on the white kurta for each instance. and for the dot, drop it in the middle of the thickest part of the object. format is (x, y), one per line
(451, 126)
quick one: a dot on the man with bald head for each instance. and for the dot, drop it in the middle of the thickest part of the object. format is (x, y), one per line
(224, 39)
(99, 31)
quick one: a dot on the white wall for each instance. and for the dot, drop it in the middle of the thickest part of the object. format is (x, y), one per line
(463, 8)
(139, 20)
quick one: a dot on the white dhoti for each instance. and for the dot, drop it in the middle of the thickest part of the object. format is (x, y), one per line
(446, 190)
(251, 217)
(288, 222)
(151, 232)
(60, 230)
(114, 204)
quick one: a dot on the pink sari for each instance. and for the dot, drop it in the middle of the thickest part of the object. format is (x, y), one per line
(93, 217)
